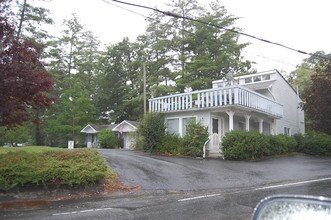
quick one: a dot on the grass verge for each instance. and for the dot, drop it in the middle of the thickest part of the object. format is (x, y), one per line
(29, 149)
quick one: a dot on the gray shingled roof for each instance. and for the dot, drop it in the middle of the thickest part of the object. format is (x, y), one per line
(134, 123)
(102, 127)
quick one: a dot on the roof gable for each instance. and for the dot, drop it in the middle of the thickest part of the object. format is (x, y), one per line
(88, 129)
(126, 126)
(93, 128)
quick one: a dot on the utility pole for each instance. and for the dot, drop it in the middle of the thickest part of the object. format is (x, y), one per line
(145, 107)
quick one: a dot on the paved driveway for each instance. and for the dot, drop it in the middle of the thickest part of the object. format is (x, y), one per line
(161, 173)
(185, 188)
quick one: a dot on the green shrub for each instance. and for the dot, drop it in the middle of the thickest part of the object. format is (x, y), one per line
(152, 129)
(108, 139)
(281, 144)
(243, 145)
(171, 143)
(317, 144)
(196, 136)
(64, 167)
(299, 139)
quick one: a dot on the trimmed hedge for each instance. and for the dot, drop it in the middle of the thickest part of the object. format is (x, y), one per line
(67, 167)
(281, 144)
(316, 144)
(241, 145)
(171, 144)
(190, 145)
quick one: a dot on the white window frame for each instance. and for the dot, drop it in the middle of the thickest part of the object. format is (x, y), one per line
(180, 123)
(287, 131)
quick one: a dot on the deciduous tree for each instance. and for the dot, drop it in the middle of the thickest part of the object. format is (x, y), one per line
(317, 97)
(24, 82)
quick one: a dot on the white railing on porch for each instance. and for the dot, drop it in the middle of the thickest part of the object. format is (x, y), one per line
(212, 98)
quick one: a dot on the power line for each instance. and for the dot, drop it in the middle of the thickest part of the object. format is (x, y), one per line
(168, 13)
(125, 9)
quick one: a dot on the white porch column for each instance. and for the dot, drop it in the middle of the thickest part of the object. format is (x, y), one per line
(231, 114)
(261, 125)
(247, 117)
(273, 127)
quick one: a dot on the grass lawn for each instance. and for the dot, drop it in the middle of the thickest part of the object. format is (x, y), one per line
(29, 149)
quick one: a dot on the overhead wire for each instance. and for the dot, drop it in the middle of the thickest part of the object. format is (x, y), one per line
(171, 14)
(125, 9)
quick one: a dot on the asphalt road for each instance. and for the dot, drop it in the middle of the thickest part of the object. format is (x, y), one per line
(155, 173)
(183, 188)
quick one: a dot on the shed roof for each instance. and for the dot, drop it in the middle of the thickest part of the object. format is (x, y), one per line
(133, 124)
(97, 128)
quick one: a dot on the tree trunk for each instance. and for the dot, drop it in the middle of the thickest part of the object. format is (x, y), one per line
(21, 20)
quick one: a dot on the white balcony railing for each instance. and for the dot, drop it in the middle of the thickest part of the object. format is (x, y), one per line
(212, 98)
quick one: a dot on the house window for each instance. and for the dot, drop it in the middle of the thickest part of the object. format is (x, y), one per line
(248, 80)
(257, 78)
(179, 125)
(173, 126)
(287, 131)
(266, 77)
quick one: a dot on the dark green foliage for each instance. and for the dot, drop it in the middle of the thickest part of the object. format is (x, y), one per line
(67, 167)
(317, 144)
(171, 144)
(299, 139)
(196, 136)
(108, 139)
(152, 130)
(317, 97)
(242, 145)
(281, 144)
(14, 135)
(190, 145)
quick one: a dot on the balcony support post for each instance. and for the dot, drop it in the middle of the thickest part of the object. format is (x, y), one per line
(261, 125)
(231, 114)
(247, 117)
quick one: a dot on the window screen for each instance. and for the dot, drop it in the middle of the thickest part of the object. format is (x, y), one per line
(173, 126)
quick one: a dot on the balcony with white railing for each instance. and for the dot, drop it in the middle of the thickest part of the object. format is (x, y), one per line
(216, 98)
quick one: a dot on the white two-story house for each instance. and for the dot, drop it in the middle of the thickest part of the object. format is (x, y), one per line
(263, 102)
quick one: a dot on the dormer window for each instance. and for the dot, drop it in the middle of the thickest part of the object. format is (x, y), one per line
(248, 80)
(257, 78)
(266, 77)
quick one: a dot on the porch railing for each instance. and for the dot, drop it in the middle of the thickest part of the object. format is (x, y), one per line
(211, 98)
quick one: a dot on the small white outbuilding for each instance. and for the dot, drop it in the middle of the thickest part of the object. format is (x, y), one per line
(125, 130)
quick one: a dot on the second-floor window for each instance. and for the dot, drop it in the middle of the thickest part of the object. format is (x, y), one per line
(257, 78)
(287, 131)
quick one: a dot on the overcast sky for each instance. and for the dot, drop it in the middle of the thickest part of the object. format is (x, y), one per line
(301, 24)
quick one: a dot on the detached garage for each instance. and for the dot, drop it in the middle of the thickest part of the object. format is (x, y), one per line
(126, 130)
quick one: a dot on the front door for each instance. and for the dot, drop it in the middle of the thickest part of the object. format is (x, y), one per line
(216, 130)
